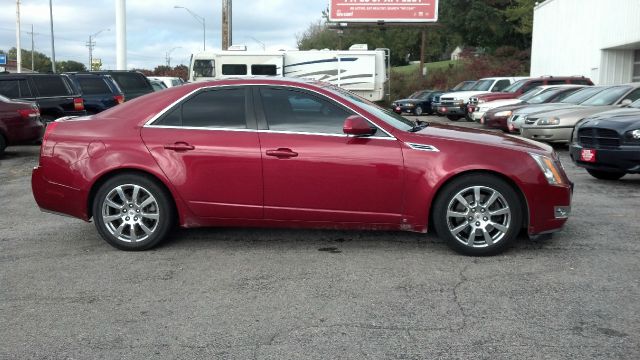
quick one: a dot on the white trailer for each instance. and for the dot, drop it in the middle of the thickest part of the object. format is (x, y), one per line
(363, 72)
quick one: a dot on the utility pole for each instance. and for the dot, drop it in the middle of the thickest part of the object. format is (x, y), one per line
(18, 48)
(168, 55)
(227, 38)
(32, 47)
(91, 44)
(53, 46)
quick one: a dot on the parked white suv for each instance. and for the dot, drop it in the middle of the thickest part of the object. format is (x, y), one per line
(454, 105)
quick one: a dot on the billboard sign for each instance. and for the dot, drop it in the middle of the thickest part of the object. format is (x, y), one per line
(3, 59)
(389, 11)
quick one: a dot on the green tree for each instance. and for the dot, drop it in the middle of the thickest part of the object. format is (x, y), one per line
(42, 63)
(69, 65)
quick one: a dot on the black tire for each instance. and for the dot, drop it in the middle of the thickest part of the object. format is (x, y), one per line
(469, 118)
(418, 110)
(3, 144)
(507, 200)
(454, 117)
(605, 175)
(162, 208)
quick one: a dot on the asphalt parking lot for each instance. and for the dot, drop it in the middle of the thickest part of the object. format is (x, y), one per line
(291, 294)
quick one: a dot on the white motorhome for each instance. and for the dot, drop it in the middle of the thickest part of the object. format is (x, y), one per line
(361, 71)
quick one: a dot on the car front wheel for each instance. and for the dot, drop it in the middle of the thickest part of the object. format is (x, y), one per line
(131, 212)
(418, 110)
(478, 214)
(605, 175)
(453, 117)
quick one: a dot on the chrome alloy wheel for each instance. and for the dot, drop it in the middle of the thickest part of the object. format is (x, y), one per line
(478, 216)
(130, 213)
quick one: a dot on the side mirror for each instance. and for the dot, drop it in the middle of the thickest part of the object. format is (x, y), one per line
(356, 125)
(626, 102)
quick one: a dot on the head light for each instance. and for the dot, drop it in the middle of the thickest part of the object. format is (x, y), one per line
(549, 169)
(548, 121)
(635, 134)
(505, 113)
(480, 101)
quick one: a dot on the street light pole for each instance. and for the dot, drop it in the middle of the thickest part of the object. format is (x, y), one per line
(53, 46)
(91, 44)
(199, 19)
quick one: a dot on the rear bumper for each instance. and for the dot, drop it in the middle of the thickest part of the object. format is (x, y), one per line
(29, 133)
(57, 198)
(624, 159)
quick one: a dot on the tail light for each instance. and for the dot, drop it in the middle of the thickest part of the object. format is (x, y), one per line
(27, 114)
(78, 104)
(44, 149)
(118, 98)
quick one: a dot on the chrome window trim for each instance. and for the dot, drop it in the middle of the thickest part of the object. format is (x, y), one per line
(149, 122)
(423, 147)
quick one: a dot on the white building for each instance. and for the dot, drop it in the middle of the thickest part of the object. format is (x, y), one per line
(599, 39)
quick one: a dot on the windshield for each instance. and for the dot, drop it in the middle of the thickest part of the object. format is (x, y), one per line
(548, 94)
(482, 85)
(468, 85)
(516, 86)
(203, 68)
(385, 115)
(607, 97)
(420, 95)
(582, 95)
(531, 93)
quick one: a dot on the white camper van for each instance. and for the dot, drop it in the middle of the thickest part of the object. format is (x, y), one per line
(358, 70)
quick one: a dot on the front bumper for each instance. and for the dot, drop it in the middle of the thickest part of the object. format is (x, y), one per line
(548, 134)
(477, 115)
(550, 212)
(452, 110)
(496, 122)
(624, 159)
(405, 109)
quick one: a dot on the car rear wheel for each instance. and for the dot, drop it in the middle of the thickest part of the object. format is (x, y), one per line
(418, 110)
(605, 175)
(478, 214)
(453, 117)
(132, 212)
(3, 144)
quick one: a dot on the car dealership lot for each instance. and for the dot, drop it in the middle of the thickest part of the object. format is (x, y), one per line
(253, 293)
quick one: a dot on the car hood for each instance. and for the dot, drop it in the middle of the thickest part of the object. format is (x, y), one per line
(622, 122)
(536, 108)
(578, 112)
(464, 95)
(476, 136)
(412, 101)
(622, 114)
(498, 103)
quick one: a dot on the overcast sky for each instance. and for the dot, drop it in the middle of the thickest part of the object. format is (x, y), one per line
(154, 27)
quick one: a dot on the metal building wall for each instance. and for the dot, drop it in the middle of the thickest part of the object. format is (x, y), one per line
(586, 37)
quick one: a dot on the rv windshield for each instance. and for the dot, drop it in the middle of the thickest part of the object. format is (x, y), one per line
(203, 68)
(385, 115)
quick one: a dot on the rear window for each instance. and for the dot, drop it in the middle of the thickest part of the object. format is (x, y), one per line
(51, 86)
(131, 81)
(93, 85)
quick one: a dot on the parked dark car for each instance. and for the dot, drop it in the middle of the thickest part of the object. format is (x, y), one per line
(417, 103)
(55, 94)
(99, 92)
(608, 144)
(496, 118)
(279, 152)
(19, 122)
(132, 83)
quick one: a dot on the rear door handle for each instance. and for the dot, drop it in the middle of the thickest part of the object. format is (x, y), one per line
(179, 146)
(282, 153)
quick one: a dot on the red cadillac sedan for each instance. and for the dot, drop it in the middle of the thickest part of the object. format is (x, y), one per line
(291, 153)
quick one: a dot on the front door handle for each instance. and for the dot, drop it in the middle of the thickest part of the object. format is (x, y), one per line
(179, 146)
(282, 153)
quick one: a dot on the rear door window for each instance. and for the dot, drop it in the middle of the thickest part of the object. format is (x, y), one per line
(222, 108)
(48, 86)
(14, 88)
(501, 85)
(93, 85)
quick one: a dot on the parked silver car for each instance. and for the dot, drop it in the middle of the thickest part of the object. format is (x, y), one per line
(557, 125)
